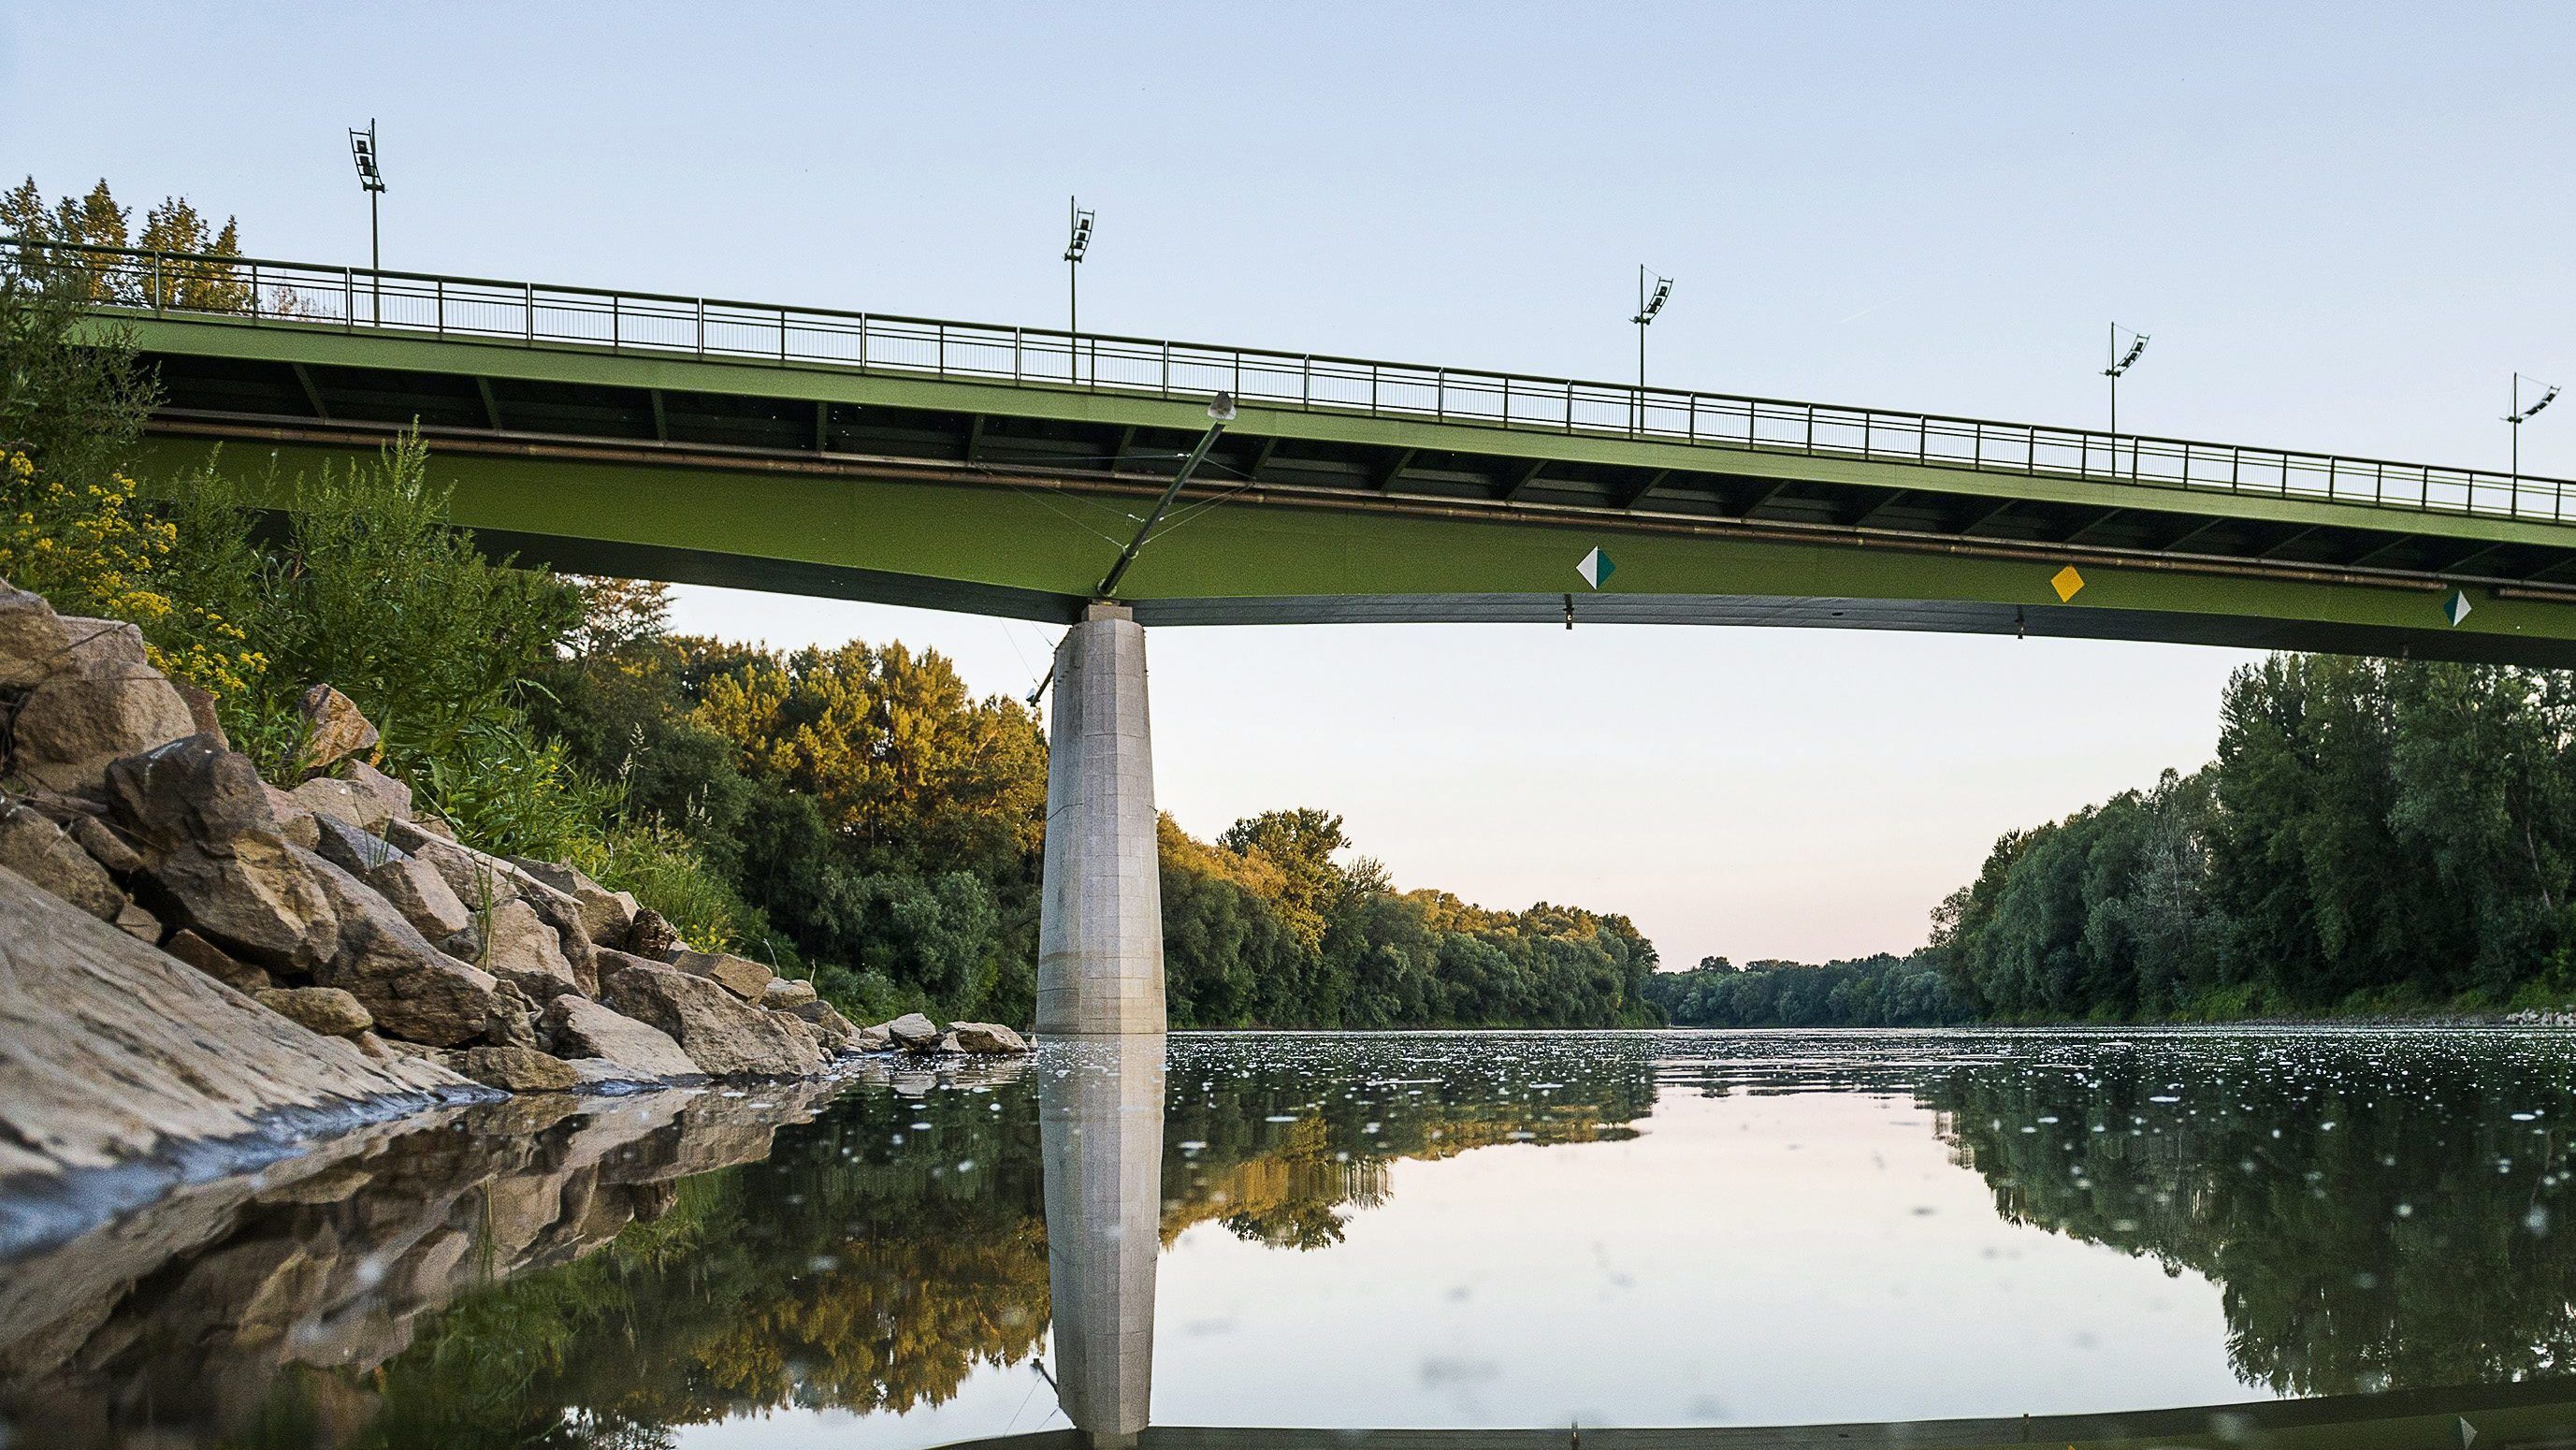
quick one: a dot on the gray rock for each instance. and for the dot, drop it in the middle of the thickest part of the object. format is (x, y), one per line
(514, 1020)
(116, 1051)
(421, 895)
(105, 846)
(33, 643)
(741, 976)
(911, 1031)
(327, 1010)
(189, 789)
(606, 915)
(652, 937)
(351, 849)
(563, 914)
(722, 1034)
(988, 1038)
(336, 799)
(35, 847)
(872, 1039)
(105, 701)
(139, 924)
(521, 949)
(217, 963)
(295, 824)
(480, 881)
(415, 991)
(334, 728)
(784, 993)
(581, 1028)
(600, 1074)
(390, 793)
(947, 1044)
(514, 1069)
(837, 1033)
(253, 896)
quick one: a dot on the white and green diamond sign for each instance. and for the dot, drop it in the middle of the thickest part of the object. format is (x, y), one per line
(2455, 608)
(1595, 568)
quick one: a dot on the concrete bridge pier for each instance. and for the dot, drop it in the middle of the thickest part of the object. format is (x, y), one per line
(1100, 913)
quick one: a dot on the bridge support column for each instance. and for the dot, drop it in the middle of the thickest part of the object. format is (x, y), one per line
(1100, 913)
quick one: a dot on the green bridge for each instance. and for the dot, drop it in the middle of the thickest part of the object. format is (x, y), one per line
(1013, 471)
(1000, 469)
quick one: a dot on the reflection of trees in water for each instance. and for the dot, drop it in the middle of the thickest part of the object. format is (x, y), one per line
(560, 1282)
(2372, 1211)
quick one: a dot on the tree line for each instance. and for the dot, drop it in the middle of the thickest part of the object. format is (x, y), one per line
(2373, 836)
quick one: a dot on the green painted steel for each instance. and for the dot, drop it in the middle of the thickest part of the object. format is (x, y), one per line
(1438, 510)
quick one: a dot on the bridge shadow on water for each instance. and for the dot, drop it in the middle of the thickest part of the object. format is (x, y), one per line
(552, 1272)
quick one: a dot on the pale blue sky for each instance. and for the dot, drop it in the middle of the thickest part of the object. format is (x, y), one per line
(2345, 225)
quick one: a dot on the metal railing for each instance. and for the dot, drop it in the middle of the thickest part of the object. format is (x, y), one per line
(534, 315)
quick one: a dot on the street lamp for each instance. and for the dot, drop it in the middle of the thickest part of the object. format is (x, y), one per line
(2516, 414)
(1077, 243)
(371, 179)
(1647, 306)
(2121, 363)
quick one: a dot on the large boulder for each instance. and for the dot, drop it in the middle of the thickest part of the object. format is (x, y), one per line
(252, 896)
(390, 794)
(991, 1039)
(327, 1010)
(652, 937)
(514, 1069)
(720, 1032)
(481, 882)
(33, 642)
(104, 700)
(837, 1033)
(35, 847)
(581, 1028)
(606, 915)
(784, 994)
(741, 976)
(563, 914)
(912, 1032)
(215, 962)
(334, 728)
(413, 886)
(415, 991)
(189, 789)
(335, 799)
(519, 948)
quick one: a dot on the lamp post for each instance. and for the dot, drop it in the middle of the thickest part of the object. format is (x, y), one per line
(1647, 306)
(2516, 414)
(371, 179)
(1077, 242)
(2121, 362)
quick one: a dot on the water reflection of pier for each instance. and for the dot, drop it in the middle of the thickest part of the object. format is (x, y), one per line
(1100, 1106)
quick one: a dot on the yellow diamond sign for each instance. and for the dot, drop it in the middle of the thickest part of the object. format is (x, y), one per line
(2067, 583)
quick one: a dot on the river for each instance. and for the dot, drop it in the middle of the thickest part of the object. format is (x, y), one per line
(1438, 1231)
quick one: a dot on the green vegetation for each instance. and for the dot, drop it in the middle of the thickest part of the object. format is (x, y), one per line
(1878, 991)
(2374, 837)
(853, 815)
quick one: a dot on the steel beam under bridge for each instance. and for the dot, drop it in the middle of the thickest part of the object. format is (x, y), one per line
(999, 470)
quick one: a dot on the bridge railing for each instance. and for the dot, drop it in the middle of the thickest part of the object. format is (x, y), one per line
(427, 304)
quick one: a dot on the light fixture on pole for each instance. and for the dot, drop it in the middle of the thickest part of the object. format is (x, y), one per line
(2121, 362)
(1077, 243)
(371, 179)
(1648, 304)
(2517, 415)
(1220, 412)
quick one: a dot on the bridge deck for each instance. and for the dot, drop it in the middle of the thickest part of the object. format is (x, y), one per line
(823, 451)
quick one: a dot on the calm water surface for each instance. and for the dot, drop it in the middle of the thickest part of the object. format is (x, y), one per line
(1653, 1229)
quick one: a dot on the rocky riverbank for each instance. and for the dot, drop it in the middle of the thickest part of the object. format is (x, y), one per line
(199, 965)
